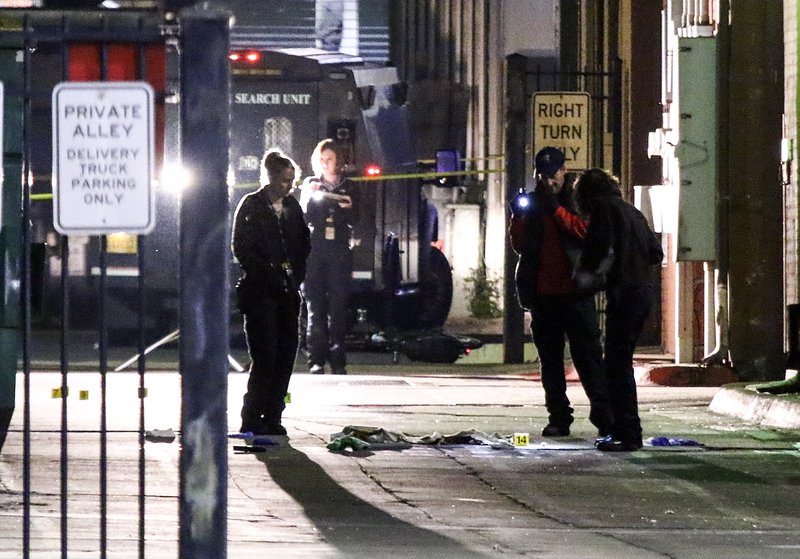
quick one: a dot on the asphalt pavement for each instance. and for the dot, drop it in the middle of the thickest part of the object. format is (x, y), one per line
(727, 486)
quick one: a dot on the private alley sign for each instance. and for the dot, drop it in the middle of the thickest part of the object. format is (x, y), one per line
(103, 158)
(561, 120)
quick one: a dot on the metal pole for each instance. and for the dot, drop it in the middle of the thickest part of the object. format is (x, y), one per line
(204, 261)
(102, 327)
(25, 294)
(516, 115)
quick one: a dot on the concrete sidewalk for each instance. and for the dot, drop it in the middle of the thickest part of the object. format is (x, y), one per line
(734, 496)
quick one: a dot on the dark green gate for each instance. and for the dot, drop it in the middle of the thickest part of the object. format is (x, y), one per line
(66, 296)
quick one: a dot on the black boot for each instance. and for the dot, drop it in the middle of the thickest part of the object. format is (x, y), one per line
(558, 426)
(271, 424)
(251, 422)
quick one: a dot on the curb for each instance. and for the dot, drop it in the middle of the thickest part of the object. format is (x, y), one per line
(766, 410)
(685, 375)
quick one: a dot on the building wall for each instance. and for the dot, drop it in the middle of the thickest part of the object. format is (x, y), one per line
(466, 42)
(639, 50)
(755, 203)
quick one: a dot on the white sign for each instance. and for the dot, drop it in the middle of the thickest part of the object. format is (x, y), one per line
(103, 138)
(561, 120)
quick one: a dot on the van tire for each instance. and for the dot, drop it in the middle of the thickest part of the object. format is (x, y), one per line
(437, 291)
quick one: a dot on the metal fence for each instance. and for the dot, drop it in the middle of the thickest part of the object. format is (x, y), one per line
(526, 77)
(70, 286)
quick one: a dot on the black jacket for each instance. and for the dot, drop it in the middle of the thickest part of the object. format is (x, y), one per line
(263, 243)
(318, 211)
(614, 223)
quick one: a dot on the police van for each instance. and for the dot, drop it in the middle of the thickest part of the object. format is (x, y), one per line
(289, 99)
(292, 98)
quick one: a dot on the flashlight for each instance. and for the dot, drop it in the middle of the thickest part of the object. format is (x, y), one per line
(521, 203)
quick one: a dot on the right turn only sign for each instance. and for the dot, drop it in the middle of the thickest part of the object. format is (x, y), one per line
(561, 120)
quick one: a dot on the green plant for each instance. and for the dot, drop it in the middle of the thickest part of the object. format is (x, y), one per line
(483, 293)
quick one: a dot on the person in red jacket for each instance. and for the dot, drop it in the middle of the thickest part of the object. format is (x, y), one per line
(544, 229)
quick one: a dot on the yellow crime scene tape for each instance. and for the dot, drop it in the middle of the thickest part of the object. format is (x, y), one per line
(399, 176)
(395, 176)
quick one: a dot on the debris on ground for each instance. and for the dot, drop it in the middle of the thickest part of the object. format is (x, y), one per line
(159, 435)
(340, 444)
(670, 441)
(378, 438)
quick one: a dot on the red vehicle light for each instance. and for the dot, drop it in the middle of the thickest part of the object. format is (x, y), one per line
(251, 56)
(373, 170)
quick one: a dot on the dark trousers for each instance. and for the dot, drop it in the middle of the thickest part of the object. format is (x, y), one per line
(554, 318)
(326, 290)
(627, 309)
(271, 331)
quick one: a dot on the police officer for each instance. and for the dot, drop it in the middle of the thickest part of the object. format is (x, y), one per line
(544, 228)
(271, 242)
(327, 199)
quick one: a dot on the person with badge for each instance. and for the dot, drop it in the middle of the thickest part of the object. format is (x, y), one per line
(328, 201)
(271, 243)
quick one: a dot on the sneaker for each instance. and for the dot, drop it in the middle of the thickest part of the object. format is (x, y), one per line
(339, 372)
(602, 434)
(317, 370)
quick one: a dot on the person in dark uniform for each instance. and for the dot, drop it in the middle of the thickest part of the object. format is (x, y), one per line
(616, 224)
(327, 199)
(544, 227)
(271, 242)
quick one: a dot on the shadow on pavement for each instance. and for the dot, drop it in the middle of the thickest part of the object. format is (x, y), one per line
(353, 526)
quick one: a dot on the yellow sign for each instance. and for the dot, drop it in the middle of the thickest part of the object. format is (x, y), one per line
(121, 243)
(522, 439)
(560, 119)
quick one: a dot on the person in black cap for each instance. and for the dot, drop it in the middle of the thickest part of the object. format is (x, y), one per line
(544, 228)
(616, 224)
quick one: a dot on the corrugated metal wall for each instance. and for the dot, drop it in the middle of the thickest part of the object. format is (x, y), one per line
(456, 40)
(460, 41)
(291, 24)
